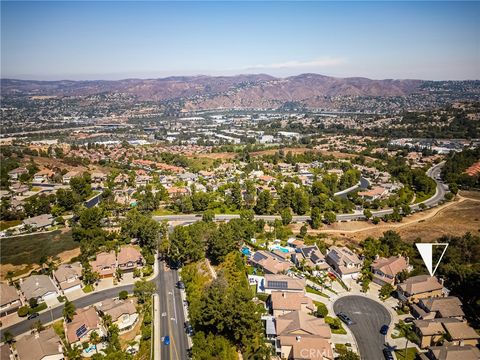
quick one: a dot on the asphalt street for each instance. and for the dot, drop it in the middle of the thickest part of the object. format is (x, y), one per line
(171, 315)
(368, 317)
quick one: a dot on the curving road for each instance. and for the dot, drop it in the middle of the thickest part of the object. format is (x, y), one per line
(433, 172)
(368, 316)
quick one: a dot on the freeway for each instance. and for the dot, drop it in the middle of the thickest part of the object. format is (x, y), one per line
(171, 315)
(433, 172)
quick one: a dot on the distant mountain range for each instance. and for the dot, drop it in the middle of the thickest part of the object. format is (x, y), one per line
(241, 91)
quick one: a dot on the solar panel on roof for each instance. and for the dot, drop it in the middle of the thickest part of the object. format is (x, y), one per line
(278, 284)
(81, 331)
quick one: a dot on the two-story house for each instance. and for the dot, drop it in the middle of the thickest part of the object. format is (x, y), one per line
(105, 264)
(68, 277)
(269, 262)
(129, 258)
(84, 322)
(344, 262)
(123, 313)
(283, 302)
(39, 287)
(419, 287)
(310, 256)
(9, 299)
(385, 270)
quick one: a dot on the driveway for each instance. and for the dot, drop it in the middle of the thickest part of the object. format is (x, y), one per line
(368, 316)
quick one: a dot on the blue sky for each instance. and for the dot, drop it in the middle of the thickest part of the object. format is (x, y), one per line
(113, 40)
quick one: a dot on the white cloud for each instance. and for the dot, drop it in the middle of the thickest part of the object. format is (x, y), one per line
(296, 64)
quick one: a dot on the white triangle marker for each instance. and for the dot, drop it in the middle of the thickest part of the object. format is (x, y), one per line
(426, 250)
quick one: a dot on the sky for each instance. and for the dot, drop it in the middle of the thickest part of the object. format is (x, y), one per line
(82, 40)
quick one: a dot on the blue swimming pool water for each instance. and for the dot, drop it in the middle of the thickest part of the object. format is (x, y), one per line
(246, 251)
(90, 348)
(282, 249)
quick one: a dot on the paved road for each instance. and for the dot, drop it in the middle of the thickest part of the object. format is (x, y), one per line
(368, 317)
(56, 313)
(433, 172)
(171, 315)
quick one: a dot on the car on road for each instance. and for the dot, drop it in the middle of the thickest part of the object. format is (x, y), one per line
(409, 319)
(33, 316)
(384, 330)
(166, 340)
(188, 328)
(181, 285)
(344, 317)
(387, 353)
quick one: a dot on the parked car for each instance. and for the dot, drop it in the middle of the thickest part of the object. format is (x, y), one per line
(166, 340)
(409, 319)
(181, 285)
(33, 316)
(344, 317)
(387, 353)
(384, 330)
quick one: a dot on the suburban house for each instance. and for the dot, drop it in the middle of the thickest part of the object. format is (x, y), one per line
(375, 193)
(123, 312)
(129, 258)
(5, 352)
(84, 322)
(68, 277)
(269, 262)
(39, 222)
(438, 307)
(456, 331)
(69, 175)
(43, 176)
(105, 264)
(385, 270)
(344, 262)
(16, 173)
(44, 345)
(419, 287)
(9, 299)
(283, 302)
(451, 352)
(303, 336)
(39, 287)
(311, 256)
(285, 283)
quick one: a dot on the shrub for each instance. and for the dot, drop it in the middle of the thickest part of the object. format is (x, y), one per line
(147, 270)
(123, 295)
(23, 311)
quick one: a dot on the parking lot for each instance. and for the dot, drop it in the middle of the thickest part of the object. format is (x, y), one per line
(368, 317)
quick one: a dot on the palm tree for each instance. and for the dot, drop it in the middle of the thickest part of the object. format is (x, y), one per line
(8, 337)
(409, 334)
(69, 310)
(74, 352)
(95, 339)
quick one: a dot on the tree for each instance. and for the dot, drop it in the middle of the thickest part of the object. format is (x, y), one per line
(303, 230)
(264, 203)
(407, 331)
(69, 310)
(286, 215)
(208, 216)
(322, 310)
(367, 213)
(316, 218)
(123, 295)
(386, 290)
(329, 217)
(143, 290)
(8, 337)
(95, 339)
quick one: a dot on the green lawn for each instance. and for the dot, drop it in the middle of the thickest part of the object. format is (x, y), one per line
(87, 289)
(163, 212)
(8, 224)
(314, 291)
(336, 325)
(411, 354)
(29, 249)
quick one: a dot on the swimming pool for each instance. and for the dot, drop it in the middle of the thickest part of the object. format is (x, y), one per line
(281, 248)
(90, 348)
(246, 251)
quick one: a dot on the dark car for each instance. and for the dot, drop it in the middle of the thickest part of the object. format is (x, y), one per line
(181, 285)
(33, 316)
(387, 353)
(188, 328)
(384, 330)
(344, 317)
(409, 319)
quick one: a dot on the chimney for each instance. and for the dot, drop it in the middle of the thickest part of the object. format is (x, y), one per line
(284, 294)
(298, 338)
